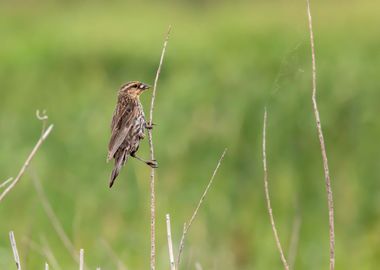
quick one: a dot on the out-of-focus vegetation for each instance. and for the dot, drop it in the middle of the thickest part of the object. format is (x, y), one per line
(225, 62)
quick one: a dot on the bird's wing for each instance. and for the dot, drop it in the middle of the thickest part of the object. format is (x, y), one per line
(122, 122)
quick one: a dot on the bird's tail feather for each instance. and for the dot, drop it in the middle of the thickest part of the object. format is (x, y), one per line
(119, 162)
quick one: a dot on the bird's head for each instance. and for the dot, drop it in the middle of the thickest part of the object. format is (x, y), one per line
(134, 89)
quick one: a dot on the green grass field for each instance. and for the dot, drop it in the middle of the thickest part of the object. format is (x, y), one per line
(225, 62)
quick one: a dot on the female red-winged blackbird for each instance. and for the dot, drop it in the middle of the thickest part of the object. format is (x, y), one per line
(128, 127)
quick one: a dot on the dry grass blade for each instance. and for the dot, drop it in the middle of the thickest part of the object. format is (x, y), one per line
(152, 178)
(284, 262)
(113, 256)
(43, 251)
(47, 251)
(54, 219)
(46, 266)
(322, 143)
(188, 225)
(14, 249)
(27, 162)
(170, 242)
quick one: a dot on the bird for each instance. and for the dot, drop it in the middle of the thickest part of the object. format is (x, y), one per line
(127, 127)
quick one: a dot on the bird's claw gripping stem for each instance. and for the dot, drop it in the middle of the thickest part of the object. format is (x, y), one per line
(152, 163)
(149, 126)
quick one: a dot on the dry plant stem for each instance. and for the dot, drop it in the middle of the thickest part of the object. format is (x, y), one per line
(170, 243)
(54, 220)
(6, 182)
(188, 225)
(284, 262)
(152, 178)
(27, 162)
(81, 259)
(14, 249)
(46, 266)
(322, 143)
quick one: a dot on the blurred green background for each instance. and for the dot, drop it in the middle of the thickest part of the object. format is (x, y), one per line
(226, 61)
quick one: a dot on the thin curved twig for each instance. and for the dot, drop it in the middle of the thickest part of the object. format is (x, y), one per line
(329, 192)
(43, 118)
(187, 226)
(43, 137)
(276, 237)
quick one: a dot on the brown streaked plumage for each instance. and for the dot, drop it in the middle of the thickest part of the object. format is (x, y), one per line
(128, 127)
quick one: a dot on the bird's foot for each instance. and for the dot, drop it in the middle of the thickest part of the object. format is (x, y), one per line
(149, 126)
(152, 163)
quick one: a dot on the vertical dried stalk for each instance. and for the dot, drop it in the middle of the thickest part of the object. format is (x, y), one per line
(284, 262)
(152, 178)
(81, 259)
(187, 227)
(170, 243)
(14, 249)
(28, 160)
(322, 143)
(46, 266)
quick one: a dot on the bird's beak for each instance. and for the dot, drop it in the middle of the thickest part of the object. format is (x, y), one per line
(142, 88)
